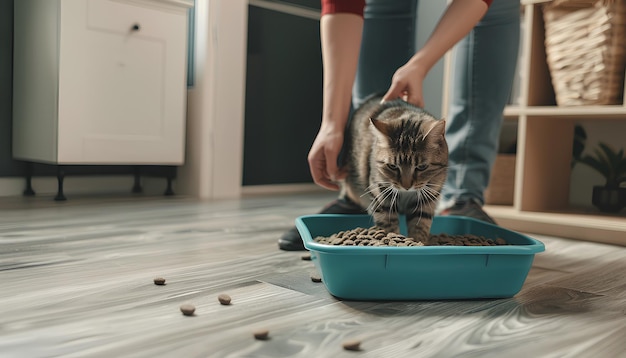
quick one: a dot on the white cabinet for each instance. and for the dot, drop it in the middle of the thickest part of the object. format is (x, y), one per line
(100, 81)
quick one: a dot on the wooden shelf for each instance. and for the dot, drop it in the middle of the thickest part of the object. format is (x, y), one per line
(570, 224)
(587, 112)
(533, 2)
(545, 135)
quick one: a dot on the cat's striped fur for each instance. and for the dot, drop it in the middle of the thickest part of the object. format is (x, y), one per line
(397, 160)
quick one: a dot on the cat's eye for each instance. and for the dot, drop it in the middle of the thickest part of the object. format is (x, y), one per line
(392, 166)
(421, 167)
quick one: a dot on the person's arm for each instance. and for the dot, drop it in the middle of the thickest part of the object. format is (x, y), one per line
(341, 42)
(457, 21)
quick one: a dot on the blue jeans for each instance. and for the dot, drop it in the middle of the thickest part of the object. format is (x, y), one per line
(483, 71)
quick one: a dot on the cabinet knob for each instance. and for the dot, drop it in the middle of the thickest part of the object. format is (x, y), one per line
(135, 27)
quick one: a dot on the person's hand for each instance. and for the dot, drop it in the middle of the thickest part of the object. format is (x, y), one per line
(406, 84)
(323, 158)
(456, 22)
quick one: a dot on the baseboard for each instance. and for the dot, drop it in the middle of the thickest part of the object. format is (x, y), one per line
(252, 190)
(82, 185)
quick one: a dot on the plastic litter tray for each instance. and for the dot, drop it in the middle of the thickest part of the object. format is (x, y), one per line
(419, 272)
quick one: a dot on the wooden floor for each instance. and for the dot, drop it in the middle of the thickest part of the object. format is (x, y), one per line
(76, 280)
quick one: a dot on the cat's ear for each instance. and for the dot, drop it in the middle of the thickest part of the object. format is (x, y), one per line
(381, 126)
(437, 128)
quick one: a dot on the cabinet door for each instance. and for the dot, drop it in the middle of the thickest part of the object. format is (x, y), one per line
(122, 84)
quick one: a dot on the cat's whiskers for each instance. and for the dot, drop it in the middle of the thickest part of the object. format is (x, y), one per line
(370, 189)
(373, 203)
(430, 192)
(394, 199)
(426, 197)
(434, 185)
(379, 199)
(419, 206)
(391, 195)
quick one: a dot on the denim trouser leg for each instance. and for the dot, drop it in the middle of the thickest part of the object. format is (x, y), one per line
(483, 70)
(388, 43)
(484, 67)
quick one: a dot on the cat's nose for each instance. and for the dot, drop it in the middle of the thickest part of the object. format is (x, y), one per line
(406, 181)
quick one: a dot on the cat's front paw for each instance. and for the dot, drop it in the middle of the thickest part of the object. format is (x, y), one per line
(420, 235)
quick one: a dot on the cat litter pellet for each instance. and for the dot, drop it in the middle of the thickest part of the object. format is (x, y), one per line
(159, 281)
(352, 345)
(375, 236)
(261, 334)
(188, 309)
(224, 299)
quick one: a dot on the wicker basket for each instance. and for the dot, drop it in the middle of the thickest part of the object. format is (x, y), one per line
(586, 50)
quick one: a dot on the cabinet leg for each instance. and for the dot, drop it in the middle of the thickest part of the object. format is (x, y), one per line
(137, 173)
(60, 177)
(169, 190)
(29, 180)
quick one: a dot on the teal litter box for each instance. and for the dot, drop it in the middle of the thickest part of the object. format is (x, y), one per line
(419, 272)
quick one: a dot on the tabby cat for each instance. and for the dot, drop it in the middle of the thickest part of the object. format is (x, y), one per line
(397, 161)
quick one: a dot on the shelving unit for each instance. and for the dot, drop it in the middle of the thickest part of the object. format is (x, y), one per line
(544, 151)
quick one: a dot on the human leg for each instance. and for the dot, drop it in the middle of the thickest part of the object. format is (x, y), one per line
(291, 239)
(484, 68)
(388, 42)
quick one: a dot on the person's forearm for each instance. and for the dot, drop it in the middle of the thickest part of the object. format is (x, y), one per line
(457, 21)
(341, 42)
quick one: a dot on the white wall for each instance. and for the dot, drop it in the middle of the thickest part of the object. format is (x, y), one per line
(214, 155)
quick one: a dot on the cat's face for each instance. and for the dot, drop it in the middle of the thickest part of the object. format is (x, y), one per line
(410, 152)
